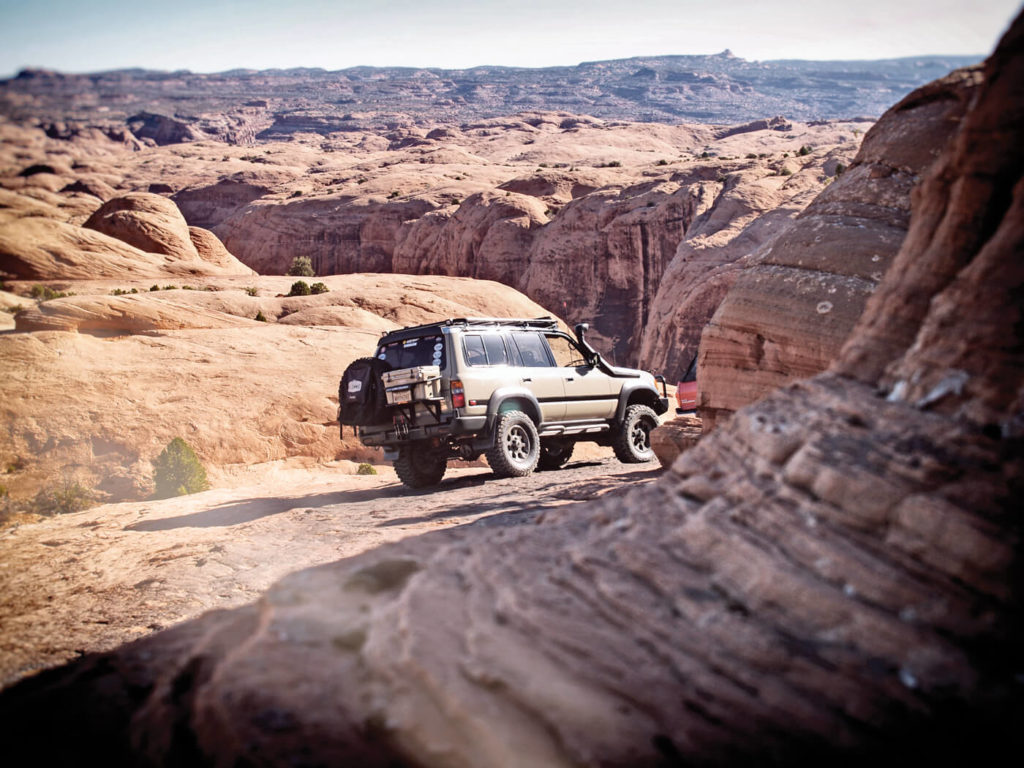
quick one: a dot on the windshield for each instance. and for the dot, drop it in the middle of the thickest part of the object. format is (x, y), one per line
(423, 350)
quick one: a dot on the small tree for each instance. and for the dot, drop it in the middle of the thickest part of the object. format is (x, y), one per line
(318, 288)
(299, 288)
(301, 267)
(178, 471)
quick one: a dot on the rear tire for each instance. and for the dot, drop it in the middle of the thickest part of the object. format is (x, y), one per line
(418, 467)
(632, 442)
(516, 447)
(554, 453)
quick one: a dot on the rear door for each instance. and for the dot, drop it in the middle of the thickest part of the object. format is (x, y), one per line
(539, 374)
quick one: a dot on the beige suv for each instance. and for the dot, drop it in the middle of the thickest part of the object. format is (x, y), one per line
(521, 392)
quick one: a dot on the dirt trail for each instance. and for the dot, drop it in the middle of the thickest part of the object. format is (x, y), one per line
(90, 581)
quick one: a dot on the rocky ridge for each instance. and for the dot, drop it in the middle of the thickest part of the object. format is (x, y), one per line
(241, 106)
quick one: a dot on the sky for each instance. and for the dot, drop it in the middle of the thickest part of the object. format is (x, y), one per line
(217, 35)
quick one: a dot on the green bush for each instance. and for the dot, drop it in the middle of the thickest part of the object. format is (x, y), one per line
(261, 317)
(68, 496)
(318, 288)
(45, 293)
(804, 150)
(251, 290)
(299, 288)
(154, 288)
(840, 168)
(785, 172)
(301, 267)
(663, 161)
(366, 468)
(178, 471)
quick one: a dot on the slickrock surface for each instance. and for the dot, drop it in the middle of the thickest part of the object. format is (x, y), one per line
(96, 385)
(832, 577)
(794, 300)
(93, 580)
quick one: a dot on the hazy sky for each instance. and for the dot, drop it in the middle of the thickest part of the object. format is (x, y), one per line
(215, 35)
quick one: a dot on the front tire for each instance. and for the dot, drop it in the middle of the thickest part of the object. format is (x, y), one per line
(419, 468)
(516, 447)
(632, 442)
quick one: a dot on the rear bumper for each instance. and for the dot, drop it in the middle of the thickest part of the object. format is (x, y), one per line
(393, 435)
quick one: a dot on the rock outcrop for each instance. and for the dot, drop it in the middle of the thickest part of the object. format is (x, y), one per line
(794, 301)
(830, 577)
(134, 236)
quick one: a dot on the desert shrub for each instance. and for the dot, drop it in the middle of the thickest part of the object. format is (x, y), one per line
(261, 317)
(663, 161)
(118, 292)
(366, 468)
(394, 194)
(67, 496)
(251, 290)
(299, 288)
(785, 172)
(804, 150)
(154, 288)
(301, 267)
(318, 288)
(751, 156)
(296, 193)
(170, 287)
(840, 169)
(178, 471)
(188, 287)
(45, 293)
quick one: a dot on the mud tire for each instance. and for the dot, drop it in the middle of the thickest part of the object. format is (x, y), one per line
(516, 448)
(632, 441)
(419, 468)
(554, 454)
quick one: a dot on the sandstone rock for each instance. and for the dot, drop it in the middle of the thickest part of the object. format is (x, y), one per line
(161, 129)
(149, 222)
(793, 304)
(828, 578)
(674, 437)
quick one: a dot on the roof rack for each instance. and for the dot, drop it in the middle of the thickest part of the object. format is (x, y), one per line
(546, 322)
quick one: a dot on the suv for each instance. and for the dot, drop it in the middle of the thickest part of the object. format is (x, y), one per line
(521, 392)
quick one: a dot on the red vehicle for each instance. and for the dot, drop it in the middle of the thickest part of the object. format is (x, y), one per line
(686, 390)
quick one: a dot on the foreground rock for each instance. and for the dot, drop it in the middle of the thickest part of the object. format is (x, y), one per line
(829, 577)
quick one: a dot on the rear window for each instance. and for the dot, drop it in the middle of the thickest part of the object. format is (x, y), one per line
(423, 350)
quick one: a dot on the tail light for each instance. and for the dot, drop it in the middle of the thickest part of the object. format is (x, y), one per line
(458, 394)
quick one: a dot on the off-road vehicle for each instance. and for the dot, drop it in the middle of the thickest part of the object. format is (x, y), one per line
(521, 392)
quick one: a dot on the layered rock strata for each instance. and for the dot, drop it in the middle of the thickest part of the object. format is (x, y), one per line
(830, 577)
(794, 301)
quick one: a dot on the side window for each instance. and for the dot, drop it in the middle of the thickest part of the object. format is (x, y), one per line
(567, 354)
(532, 350)
(496, 354)
(474, 349)
(484, 349)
